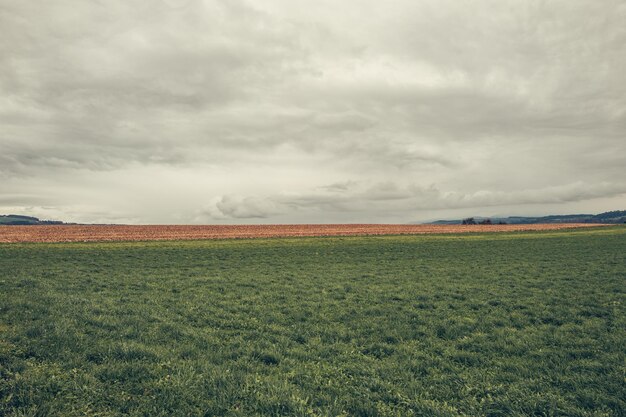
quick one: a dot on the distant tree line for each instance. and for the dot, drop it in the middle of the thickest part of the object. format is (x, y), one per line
(19, 220)
(470, 220)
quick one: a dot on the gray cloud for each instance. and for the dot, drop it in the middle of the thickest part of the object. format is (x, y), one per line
(186, 110)
(383, 197)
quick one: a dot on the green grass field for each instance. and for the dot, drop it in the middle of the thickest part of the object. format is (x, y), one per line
(481, 325)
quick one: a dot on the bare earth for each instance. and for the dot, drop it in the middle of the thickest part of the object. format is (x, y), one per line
(99, 233)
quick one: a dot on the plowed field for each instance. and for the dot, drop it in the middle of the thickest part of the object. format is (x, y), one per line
(97, 233)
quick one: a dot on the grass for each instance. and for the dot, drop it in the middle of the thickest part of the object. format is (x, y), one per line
(483, 325)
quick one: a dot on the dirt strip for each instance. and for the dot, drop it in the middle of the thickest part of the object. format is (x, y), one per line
(102, 233)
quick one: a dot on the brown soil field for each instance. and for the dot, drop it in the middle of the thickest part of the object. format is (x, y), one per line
(104, 233)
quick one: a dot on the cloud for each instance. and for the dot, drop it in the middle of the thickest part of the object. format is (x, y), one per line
(258, 107)
(236, 207)
(379, 198)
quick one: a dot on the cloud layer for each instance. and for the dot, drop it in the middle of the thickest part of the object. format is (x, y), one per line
(182, 111)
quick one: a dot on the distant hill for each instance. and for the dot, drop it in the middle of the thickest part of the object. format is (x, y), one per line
(16, 219)
(607, 217)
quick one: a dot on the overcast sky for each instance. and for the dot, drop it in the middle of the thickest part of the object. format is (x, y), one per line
(292, 111)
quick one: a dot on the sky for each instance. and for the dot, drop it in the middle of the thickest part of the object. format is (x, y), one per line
(292, 111)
